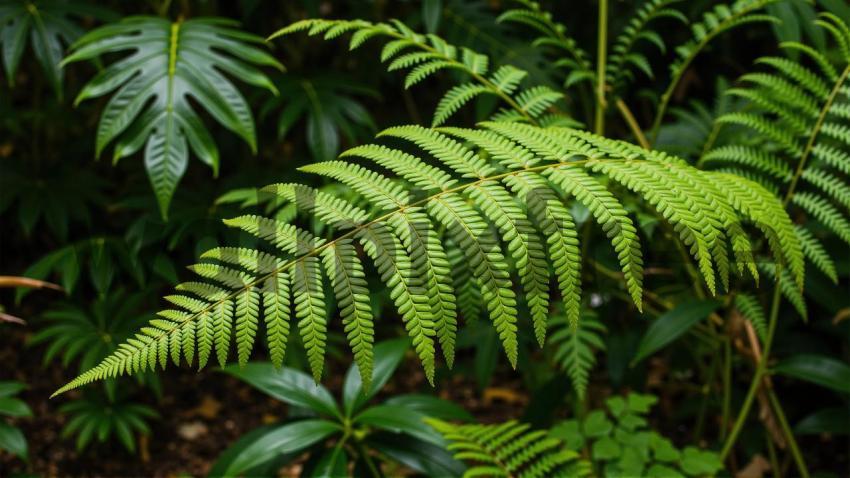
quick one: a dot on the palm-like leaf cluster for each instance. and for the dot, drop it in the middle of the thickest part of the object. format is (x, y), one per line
(170, 63)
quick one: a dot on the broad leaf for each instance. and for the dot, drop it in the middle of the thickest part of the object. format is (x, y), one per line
(12, 440)
(388, 356)
(673, 324)
(266, 445)
(824, 371)
(287, 385)
(398, 419)
(170, 63)
(50, 29)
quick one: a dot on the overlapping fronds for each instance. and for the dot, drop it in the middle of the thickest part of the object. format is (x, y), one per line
(510, 449)
(624, 54)
(553, 36)
(721, 19)
(499, 194)
(799, 135)
(423, 55)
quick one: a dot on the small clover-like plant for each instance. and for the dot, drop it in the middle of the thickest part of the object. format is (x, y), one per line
(620, 443)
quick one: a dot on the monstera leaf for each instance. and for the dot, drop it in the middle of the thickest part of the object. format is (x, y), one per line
(50, 29)
(169, 63)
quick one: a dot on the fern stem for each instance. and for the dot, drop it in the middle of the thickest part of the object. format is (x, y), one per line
(633, 124)
(761, 370)
(727, 388)
(484, 81)
(602, 47)
(814, 135)
(789, 435)
(674, 82)
(286, 266)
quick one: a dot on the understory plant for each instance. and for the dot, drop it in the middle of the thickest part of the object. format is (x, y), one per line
(616, 211)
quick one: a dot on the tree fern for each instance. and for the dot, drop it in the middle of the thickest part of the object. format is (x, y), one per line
(797, 110)
(498, 193)
(510, 449)
(425, 55)
(170, 62)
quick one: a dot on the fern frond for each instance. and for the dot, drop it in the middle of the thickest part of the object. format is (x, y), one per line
(751, 310)
(721, 19)
(576, 345)
(425, 55)
(495, 207)
(635, 31)
(509, 449)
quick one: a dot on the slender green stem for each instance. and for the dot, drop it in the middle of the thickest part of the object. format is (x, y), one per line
(761, 370)
(370, 463)
(727, 388)
(602, 52)
(814, 135)
(789, 435)
(630, 120)
(775, 467)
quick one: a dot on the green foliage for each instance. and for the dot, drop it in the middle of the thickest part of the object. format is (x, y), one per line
(529, 169)
(87, 335)
(576, 345)
(425, 55)
(510, 450)
(11, 438)
(338, 433)
(619, 442)
(329, 106)
(50, 27)
(171, 62)
(102, 418)
(795, 112)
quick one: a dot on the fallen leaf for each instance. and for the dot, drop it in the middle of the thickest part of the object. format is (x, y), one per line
(208, 408)
(192, 430)
(503, 394)
(756, 468)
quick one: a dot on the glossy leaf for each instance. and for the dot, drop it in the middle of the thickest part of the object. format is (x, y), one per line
(819, 369)
(287, 385)
(672, 325)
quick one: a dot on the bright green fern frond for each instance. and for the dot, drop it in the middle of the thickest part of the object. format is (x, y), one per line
(461, 220)
(425, 55)
(575, 345)
(509, 449)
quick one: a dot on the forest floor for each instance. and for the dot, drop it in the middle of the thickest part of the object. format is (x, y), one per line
(201, 414)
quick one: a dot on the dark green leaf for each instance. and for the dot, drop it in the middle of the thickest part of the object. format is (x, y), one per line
(388, 356)
(289, 438)
(398, 419)
(819, 369)
(828, 420)
(672, 325)
(287, 385)
(12, 440)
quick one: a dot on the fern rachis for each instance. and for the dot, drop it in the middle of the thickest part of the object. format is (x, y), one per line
(403, 235)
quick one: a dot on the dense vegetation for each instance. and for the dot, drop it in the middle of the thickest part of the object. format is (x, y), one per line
(599, 238)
